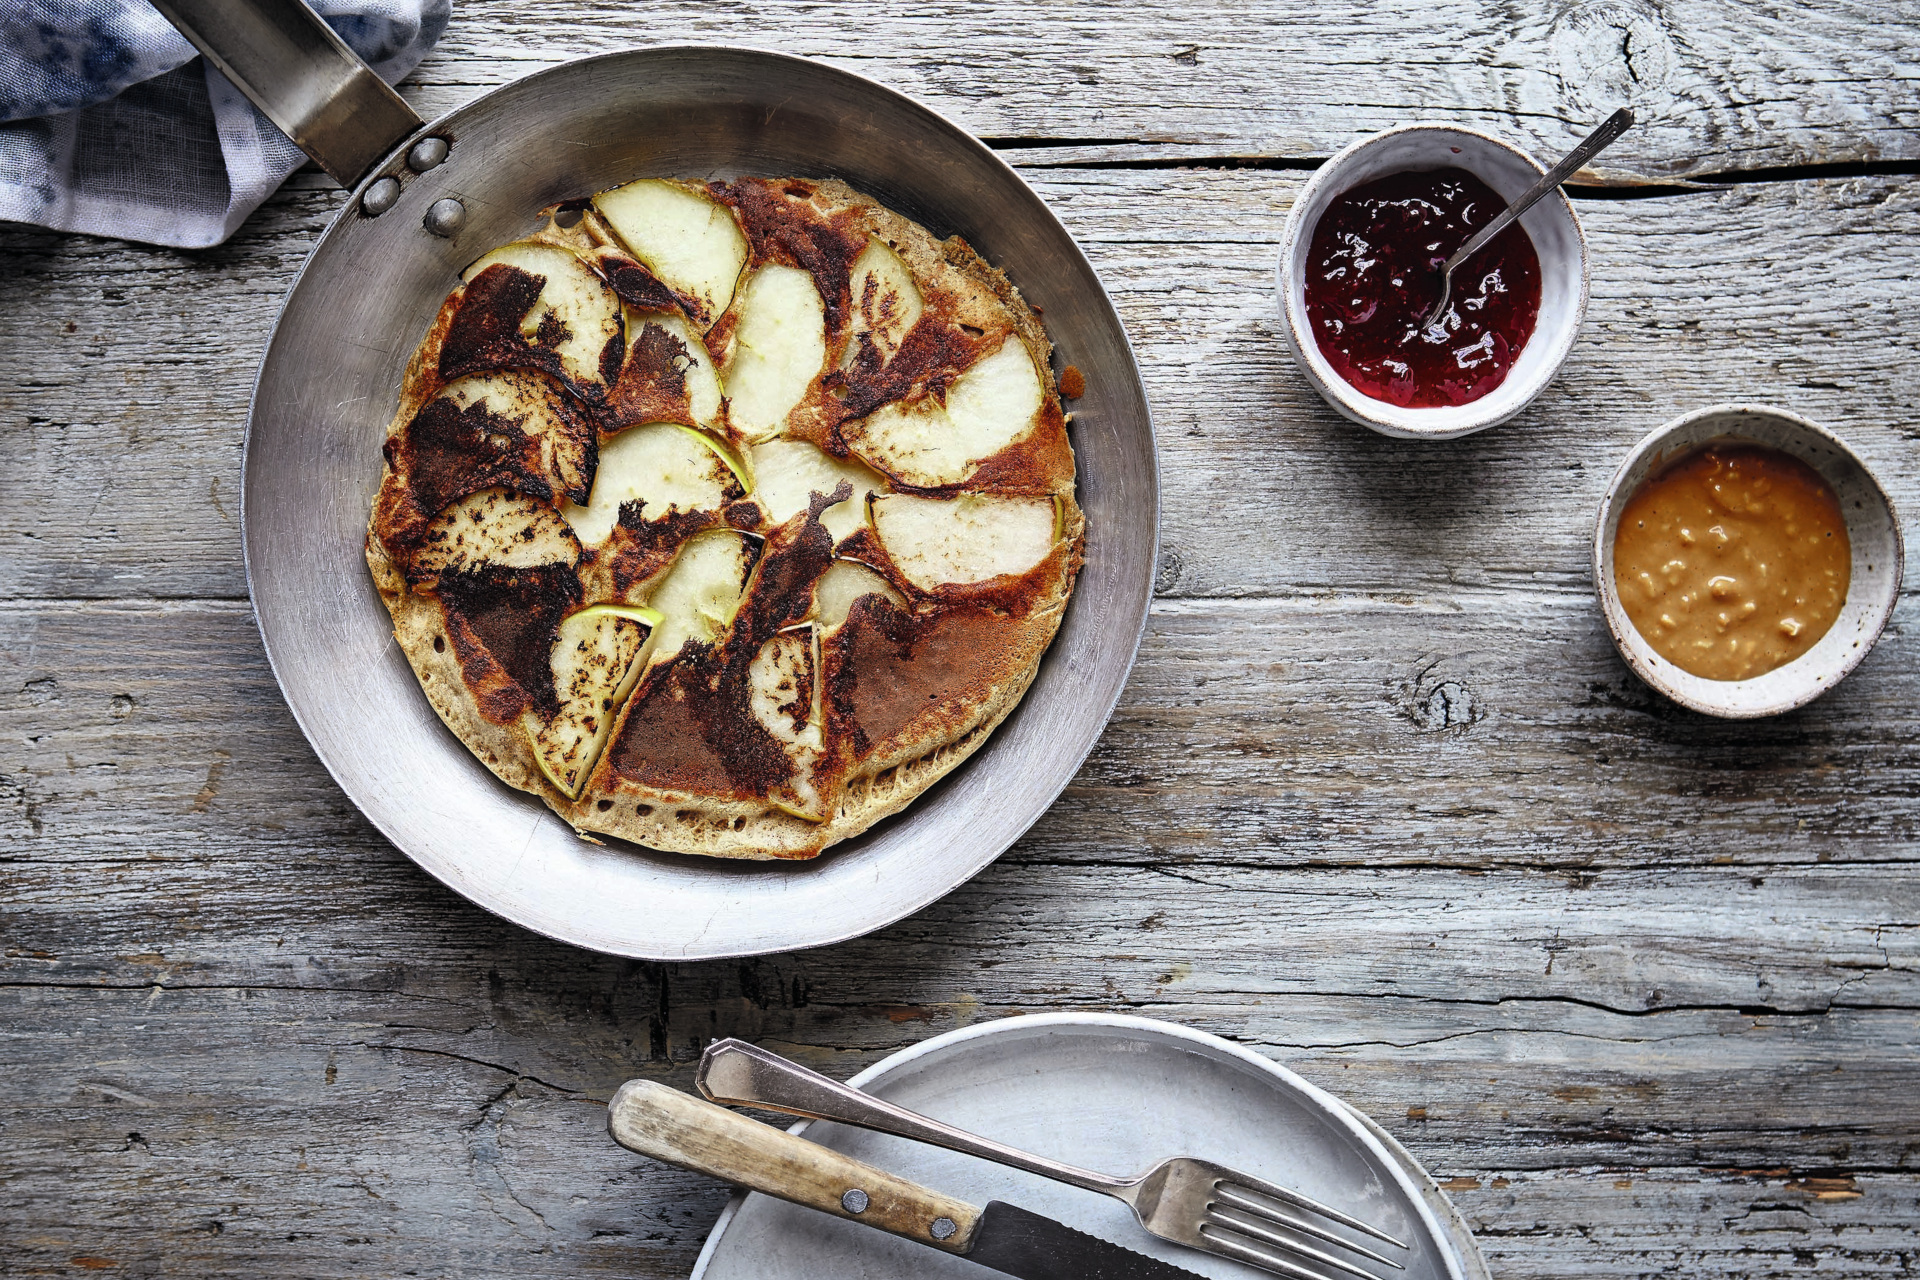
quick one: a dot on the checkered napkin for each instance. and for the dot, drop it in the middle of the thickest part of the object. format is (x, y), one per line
(110, 123)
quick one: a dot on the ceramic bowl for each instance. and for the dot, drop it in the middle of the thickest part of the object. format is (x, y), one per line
(1551, 224)
(1879, 559)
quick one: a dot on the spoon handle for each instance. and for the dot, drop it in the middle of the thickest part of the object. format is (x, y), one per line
(1597, 141)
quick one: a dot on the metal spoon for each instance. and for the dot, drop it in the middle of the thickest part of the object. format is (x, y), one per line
(1597, 141)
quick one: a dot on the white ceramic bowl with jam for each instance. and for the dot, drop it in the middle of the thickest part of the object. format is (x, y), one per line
(1551, 226)
(1876, 560)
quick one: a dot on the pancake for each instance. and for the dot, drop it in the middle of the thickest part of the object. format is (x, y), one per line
(727, 517)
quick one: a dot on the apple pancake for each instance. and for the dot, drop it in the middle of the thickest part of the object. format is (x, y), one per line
(727, 517)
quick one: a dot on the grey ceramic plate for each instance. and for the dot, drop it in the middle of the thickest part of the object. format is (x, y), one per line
(329, 383)
(1105, 1092)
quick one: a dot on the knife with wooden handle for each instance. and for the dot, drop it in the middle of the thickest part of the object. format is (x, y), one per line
(683, 1130)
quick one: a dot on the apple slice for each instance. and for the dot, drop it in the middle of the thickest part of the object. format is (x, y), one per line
(787, 473)
(576, 314)
(779, 348)
(690, 243)
(595, 666)
(844, 582)
(701, 378)
(535, 404)
(886, 301)
(663, 466)
(967, 539)
(783, 694)
(927, 443)
(495, 526)
(701, 592)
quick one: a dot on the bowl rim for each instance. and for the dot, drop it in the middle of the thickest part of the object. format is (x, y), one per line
(1689, 690)
(1391, 419)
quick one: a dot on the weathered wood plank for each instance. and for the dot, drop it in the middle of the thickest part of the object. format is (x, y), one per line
(371, 1132)
(1445, 950)
(1789, 293)
(1476, 730)
(1718, 86)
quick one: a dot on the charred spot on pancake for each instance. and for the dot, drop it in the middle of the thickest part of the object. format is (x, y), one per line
(784, 226)
(447, 452)
(781, 592)
(663, 743)
(643, 547)
(640, 289)
(611, 356)
(653, 385)
(660, 358)
(485, 333)
(744, 514)
(818, 502)
(504, 622)
(930, 357)
(552, 331)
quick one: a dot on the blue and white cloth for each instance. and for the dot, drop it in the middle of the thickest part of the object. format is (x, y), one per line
(112, 125)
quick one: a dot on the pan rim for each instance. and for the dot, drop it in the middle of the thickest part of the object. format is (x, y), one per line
(962, 870)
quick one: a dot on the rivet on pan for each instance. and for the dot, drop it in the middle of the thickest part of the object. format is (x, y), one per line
(380, 197)
(446, 216)
(428, 153)
(943, 1228)
(854, 1201)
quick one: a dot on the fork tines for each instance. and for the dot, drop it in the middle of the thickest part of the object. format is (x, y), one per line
(1247, 1222)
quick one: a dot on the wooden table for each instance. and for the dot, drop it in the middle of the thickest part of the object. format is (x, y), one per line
(1641, 988)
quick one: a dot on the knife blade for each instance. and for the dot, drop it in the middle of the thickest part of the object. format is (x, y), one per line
(1022, 1243)
(661, 1122)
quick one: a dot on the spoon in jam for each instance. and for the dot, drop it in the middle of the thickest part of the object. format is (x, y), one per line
(1597, 141)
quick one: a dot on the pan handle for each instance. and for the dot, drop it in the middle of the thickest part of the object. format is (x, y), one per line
(302, 76)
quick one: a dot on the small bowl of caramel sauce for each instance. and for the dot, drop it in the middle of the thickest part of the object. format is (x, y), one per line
(1746, 560)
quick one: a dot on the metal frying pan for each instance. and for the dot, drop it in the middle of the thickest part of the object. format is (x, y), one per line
(332, 373)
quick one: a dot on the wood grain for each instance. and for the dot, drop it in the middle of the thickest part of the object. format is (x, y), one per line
(1718, 87)
(1641, 988)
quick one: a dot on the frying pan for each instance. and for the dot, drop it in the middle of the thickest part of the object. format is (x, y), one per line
(329, 384)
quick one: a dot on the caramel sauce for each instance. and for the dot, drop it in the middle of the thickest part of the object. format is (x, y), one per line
(1732, 560)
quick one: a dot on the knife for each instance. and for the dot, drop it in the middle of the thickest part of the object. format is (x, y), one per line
(680, 1129)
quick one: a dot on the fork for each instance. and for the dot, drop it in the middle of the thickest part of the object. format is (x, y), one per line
(1192, 1202)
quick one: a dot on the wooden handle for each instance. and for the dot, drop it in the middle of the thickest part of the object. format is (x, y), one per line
(683, 1130)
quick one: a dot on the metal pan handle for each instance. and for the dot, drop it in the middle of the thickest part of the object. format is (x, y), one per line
(302, 76)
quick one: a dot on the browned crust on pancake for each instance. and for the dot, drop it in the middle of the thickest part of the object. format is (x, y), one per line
(652, 385)
(444, 453)
(420, 628)
(908, 694)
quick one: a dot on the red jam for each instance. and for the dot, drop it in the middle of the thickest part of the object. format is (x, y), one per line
(1373, 273)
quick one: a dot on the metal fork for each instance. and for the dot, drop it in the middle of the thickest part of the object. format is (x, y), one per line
(1191, 1202)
